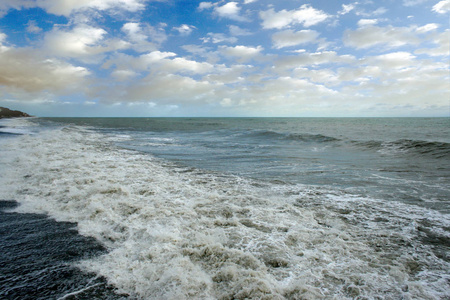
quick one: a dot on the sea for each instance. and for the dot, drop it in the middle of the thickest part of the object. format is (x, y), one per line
(225, 208)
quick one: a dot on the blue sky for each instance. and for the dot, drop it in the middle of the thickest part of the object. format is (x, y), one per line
(225, 58)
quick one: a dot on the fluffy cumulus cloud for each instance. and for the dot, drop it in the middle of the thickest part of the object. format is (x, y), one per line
(305, 15)
(230, 10)
(241, 53)
(81, 41)
(29, 74)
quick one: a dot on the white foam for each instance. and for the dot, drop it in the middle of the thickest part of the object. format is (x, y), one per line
(174, 234)
(17, 126)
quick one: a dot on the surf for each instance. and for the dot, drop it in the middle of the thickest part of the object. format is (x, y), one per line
(173, 231)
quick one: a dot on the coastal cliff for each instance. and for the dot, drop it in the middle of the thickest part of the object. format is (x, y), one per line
(7, 113)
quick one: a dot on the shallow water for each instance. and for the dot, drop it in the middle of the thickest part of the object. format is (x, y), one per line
(245, 208)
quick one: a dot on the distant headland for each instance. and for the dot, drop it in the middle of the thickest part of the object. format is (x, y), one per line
(7, 113)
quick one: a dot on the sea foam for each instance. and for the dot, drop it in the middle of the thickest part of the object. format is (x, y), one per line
(182, 233)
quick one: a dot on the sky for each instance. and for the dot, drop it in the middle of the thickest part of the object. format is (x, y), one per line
(241, 58)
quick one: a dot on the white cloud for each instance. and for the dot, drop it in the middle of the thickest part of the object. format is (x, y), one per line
(379, 11)
(241, 53)
(229, 75)
(80, 42)
(324, 76)
(167, 89)
(86, 43)
(6, 5)
(32, 27)
(184, 29)
(392, 79)
(26, 72)
(394, 60)
(311, 59)
(123, 75)
(346, 8)
(230, 10)
(195, 49)
(226, 102)
(367, 22)
(134, 32)
(83, 42)
(144, 37)
(397, 78)
(217, 38)
(305, 15)
(205, 5)
(442, 7)
(159, 62)
(183, 65)
(202, 51)
(237, 31)
(67, 7)
(370, 36)
(289, 38)
(427, 28)
(442, 40)
(371, 13)
(156, 56)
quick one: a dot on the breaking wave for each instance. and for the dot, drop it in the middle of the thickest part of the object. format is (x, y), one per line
(183, 233)
(301, 137)
(426, 148)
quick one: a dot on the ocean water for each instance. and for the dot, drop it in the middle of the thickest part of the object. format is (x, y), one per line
(226, 208)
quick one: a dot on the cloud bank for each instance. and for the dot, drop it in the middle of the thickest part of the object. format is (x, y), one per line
(231, 58)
